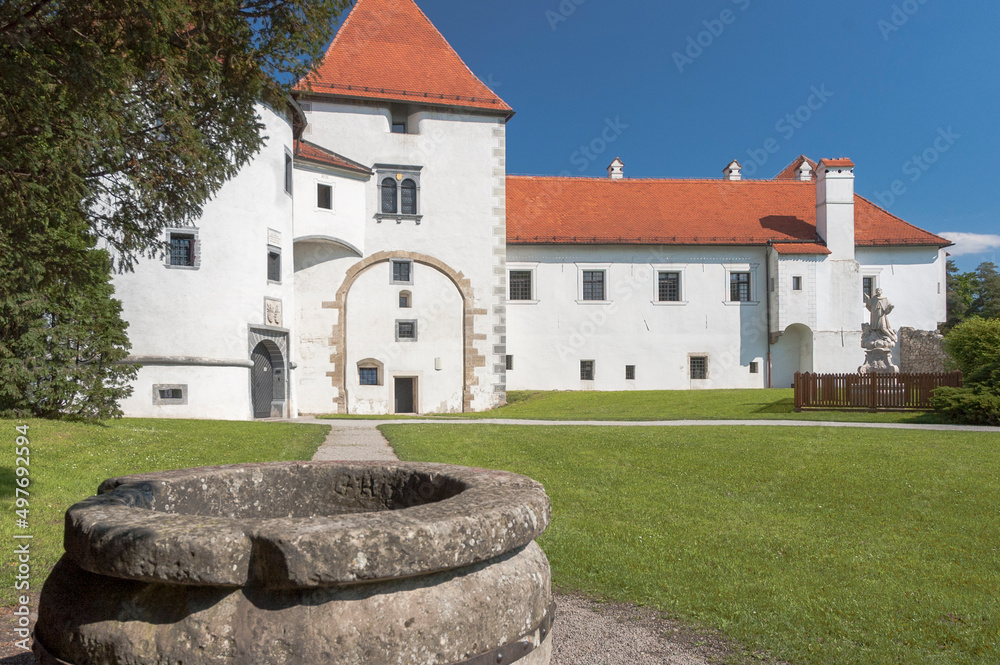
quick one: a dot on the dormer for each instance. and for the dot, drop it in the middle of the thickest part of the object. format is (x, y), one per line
(734, 171)
(616, 171)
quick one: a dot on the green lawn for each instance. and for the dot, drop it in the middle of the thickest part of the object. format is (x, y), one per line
(772, 404)
(826, 545)
(69, 460)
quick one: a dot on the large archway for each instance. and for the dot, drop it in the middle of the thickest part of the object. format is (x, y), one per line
(792, 353)
(471, 358)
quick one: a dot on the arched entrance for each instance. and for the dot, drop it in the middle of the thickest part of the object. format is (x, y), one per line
(792, 353)
(267, 381)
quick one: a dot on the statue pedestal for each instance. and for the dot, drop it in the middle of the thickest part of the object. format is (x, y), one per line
(878, 361)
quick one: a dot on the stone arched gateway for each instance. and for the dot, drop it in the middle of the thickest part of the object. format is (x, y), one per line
(472, 358)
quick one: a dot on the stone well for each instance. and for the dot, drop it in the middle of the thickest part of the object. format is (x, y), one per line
(303, 563)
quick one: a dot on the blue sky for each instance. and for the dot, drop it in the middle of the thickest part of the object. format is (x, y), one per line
(910, 90)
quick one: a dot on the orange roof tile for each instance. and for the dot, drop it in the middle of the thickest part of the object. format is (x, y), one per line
(801, 248)
(791, 172)
(389, 49)
(838, 163)
(310, 152)
(561, 210)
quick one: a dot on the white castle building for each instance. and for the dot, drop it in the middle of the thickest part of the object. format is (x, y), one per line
(375, 257)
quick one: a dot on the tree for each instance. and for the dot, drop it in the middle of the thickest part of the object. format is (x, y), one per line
(972, 294)
(986, 299)
(974, 347)
(961, 291)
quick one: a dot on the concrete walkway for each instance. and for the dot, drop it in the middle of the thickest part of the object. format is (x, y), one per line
(360, 440)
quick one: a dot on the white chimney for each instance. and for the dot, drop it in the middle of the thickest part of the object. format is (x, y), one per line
(734, 171)
(616, 171)
(835, 206)
(805, 171)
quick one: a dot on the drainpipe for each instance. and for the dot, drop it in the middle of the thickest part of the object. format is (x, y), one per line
(767, 290)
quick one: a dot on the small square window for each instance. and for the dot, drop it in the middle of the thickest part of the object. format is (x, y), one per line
(368, 376)
(406, 331)
(630, 372)
(796, 283)
(182, 246)
(520, 285)
(755, 367)
(509, 362)
(586, 370)
(699, 367)
(593, 285)
(274, 265)
(402, 272)
(324, 196)
(669, 287)
(739, 287)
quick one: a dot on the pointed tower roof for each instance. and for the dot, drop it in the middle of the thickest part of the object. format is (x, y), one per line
(389, 50)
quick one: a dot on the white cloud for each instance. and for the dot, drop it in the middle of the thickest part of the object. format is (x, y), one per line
(971, 243)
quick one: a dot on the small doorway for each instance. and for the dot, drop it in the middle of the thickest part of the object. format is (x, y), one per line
(405, 392)
(262, 386)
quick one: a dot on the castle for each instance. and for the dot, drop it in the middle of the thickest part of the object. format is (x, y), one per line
(375, 258)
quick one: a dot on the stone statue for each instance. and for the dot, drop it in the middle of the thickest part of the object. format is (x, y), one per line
(877, 337)
(879, 306)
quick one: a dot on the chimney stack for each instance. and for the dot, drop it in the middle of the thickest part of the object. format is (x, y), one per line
(805, 171)
(734, 171)
(835, 206)
(616, 171)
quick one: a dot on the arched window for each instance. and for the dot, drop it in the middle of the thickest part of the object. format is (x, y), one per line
(405, 299)
(370, 372)
(389, 195)
(409, 197)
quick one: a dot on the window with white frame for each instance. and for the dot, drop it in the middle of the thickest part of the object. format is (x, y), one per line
(593, 285)
(698, 366)
(183, 250)
(406, 330)
(796, 283)
(370, 372)
(740, 287)
(402, 271)
(273, 264)
(868, 286)
(668, 286)
(519, 285)
(324, 196)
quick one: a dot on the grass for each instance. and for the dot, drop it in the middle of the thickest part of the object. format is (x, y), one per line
(69, 460)
(830, 545)
(770, 404)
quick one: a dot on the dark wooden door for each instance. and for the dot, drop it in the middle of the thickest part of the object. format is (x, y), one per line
(404, 395)
(262, 382)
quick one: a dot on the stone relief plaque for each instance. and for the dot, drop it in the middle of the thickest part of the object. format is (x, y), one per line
(272, 312)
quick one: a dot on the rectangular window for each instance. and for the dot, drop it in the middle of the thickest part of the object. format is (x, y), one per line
(755, 367)
(868, 286)
(586, 370)
(368, 376)
(406, 330)
(699, 367)
(398, 127)
(630, 372)
(739, 287)
(509, 362)
(669, 287)
(796, 283)
(324, 196)
(593, 285)
(288, 173)
(172, 393)
(520, 285)
(181, 249)
(402, 272)
(274, 265)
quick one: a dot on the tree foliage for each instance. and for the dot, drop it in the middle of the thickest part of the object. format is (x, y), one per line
(119, 119)
(971, 294)
(974, 347)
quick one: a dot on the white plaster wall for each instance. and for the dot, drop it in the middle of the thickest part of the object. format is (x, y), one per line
(345, 222)
(206, 313)
(214, 393)
(549, 336)
(913, 278)
(461, 199)
(372, 311)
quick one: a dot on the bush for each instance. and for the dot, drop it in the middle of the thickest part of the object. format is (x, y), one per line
(974, 345)
(977, 405)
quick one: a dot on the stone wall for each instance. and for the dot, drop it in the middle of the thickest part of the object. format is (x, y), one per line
(922, 351)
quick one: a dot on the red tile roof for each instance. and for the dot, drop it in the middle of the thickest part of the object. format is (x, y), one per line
(389, 49)
(310, 152)
(561, 210)
(838, 163)
(791, 172)
(801, 248)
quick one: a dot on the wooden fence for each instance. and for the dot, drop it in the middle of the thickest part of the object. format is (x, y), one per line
(871, 392)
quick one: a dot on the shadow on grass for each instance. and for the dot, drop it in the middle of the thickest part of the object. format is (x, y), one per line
(781, 406)
(8, 481)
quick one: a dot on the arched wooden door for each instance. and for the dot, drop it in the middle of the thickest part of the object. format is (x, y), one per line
(262, 381)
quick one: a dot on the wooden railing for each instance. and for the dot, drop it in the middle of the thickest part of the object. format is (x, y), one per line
(872, 392)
